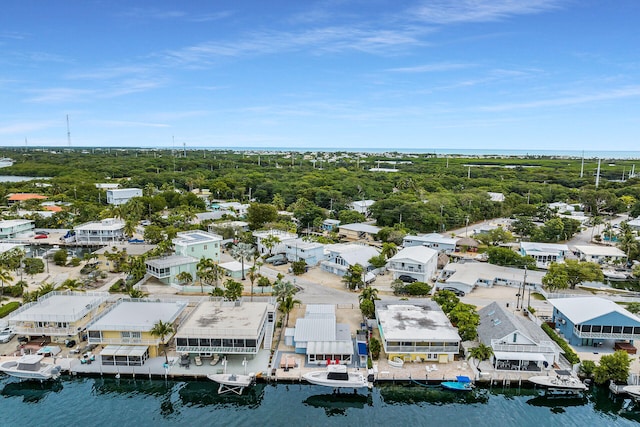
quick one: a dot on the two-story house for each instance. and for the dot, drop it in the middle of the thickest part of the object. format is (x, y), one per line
(418, 262)
(107, 231)
(339, 257)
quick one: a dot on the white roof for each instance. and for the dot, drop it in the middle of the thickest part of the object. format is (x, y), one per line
(356, 254)
(593, 250)
(363, 203)
(137, 315)
(329, 309)
(420, 254)
(105, 224)
(303, 244)
(470, 273)
(281, 234)
(358, 226)
(409, 322)
(58, 306)
(582, 309)
(214, 318)
(330, 347)
(13, 222)
(315, 329)
(512, 355)
(195, 237)
(235, 266)
(432, 238)
(124, 350)
(552, 248)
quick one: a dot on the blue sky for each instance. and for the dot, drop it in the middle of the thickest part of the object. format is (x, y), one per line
(461, 74)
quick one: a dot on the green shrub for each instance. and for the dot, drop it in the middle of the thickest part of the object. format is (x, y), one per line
(374, 348)
(569, 354)
(8, 308)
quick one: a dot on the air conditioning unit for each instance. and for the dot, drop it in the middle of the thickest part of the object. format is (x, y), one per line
(564, 322)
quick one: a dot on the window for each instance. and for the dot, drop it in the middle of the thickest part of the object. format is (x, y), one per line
(596, 328)
(617, 329)
(606, 329)
(181, 342)
(627, 330)
(205, 247)
(193, 342)
(95, 334)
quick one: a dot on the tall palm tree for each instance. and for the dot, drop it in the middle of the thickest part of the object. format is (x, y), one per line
(286, 306)
(242, 252)
(281, 290)
(5, 276)
(253, 275)
(162, 330)
(184, 276)
(389, 249)
(368, 293)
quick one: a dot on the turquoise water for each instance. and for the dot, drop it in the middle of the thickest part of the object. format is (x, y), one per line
(144, 402)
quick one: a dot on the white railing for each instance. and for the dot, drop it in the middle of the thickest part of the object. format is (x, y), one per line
(123, 341)
(606, 335)
(421, 349)
(543, 347)
(45, 331)
(225, 350)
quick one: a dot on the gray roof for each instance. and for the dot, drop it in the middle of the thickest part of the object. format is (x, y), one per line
(315, 329)
(497, 322)
(418, 320)
(419, 254)
(358, 226)
(583, 309)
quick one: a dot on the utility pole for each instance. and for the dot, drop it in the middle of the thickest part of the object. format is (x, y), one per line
(442, 217)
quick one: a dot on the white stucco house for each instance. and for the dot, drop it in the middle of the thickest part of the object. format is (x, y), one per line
(418, 262)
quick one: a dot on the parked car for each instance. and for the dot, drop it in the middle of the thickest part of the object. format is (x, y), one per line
(6, 335)
(277, 257)
(42, 232)
(456, 291)
(279, 262)
(407, 279)
(40, 236)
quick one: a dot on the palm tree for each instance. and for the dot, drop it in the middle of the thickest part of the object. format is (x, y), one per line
(162, 330)
(389, 249)
(242, 251)
(253, 275)
(281, 290)
(129, 228)
(368, 293)
(5, 276)
(136, 293)
(481, 352)
(286, 306)
(233, 290)
(184, 276)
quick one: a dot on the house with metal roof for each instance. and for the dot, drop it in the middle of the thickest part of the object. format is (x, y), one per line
(544, 253)
(362, 206)
(419, 262)
(466, 276)
(416, 331)
(16, 228)
(599, 254)
(330, 224)
(128, 324)
(517, 343)
(227, 327)
(120, 196)
(109, 230)
(358, 232)
(310, 252)
(58, 315)
(320, 337)
(339, 257)
(280, 237)
(189, 248)
(434, 241)
(594, 321)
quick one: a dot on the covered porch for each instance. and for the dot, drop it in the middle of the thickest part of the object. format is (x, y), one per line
(514, 361)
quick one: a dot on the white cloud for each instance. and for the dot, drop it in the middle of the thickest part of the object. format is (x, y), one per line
(430, 68)
(23, 128)
(456, 11)
(60, 94)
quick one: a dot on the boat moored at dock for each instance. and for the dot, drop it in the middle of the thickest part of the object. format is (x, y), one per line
(563, 381)
(30, 367)
(337, 376)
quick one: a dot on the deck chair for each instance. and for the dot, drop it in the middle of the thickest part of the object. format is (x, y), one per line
(434, 367)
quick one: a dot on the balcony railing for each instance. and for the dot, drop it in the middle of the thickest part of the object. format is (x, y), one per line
(606, 335)
(32, 332)
(422, 349)
(225, 350)
(543, 347)
(124, 341)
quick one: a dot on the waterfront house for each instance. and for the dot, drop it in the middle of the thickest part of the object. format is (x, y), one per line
(594, 321)
(544, 253)
(227, 327)
(107, 231)
(16, 228)
(416, 331)
(320, 337)
(419, 262)
(310, 252)
(189, 248)
(517, 342)
(58, 315)
(120, 196)
(280, 237)
(635, 224)
(599, 254)
(339, 257)
(434, 241)
(358, 232)
(129, 323)
(466, 276)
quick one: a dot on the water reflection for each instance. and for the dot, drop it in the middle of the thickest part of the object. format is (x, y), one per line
(433, 394)
(31, 391)
(338, 403)
(201, 393)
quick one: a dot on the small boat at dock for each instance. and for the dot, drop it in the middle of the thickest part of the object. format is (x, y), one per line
(337, 376)
(563, 381)
(633, 391)
(31, 367)
(235, 383)
(462, 383)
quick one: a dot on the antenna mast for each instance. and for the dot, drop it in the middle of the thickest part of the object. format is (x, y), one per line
(68, 132)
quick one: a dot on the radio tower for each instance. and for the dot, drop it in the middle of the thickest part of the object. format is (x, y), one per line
(68, 133)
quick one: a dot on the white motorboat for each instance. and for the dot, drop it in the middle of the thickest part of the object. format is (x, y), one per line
(633, 391)
(615, 274)
(562, 381)
(337, 376)
(30, 367)
(232, 382)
